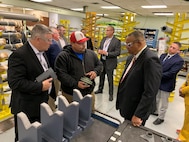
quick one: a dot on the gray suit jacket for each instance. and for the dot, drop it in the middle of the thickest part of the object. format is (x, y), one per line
(114, 50)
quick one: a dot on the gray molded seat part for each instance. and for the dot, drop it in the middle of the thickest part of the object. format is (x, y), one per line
(27, 132)
(71, 117)
(85, 108)
(52, 123)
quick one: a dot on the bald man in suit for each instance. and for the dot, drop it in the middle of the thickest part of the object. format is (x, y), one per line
(140, 81)
(110, 48)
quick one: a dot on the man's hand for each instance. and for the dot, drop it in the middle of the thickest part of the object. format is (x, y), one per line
(47, 84)
(82, 85)
(102, 52)
(92, 74)
(136, 121)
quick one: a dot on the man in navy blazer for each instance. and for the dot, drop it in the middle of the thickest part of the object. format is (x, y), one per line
(172, 63)
(110, 48)
(52, 53)
(140, 81)
(24, 65)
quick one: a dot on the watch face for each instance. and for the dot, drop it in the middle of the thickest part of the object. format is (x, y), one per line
(86, 80)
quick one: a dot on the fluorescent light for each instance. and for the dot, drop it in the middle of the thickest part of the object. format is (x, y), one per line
(77, 9)
(5, 5)
(41, 0)
(27, 8)
(164, 13)
(102, 14)
(110, 7)
(154, 6)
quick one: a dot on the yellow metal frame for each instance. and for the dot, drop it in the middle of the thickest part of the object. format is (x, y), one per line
(5, 111)
(89, 24)
(66, 24)
(128, 26)
(178, 28)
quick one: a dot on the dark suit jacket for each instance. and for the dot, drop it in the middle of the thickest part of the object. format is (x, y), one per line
(14, 39)
(138, 90)
(27, 95)
(53, 52)
(89, 43)
(114, 50)
(170, 69)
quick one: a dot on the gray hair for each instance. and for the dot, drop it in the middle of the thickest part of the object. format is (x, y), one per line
(40, 30)
(53, 29)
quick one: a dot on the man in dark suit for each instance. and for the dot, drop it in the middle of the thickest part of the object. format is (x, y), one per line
(140, 81)
(22, 39)
(24, 65)
(172, 63)
(110, 48)
(89, 44)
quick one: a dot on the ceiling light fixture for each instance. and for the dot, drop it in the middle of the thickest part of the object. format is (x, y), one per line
(110, 7)
(102, 15)
(77, 9)
(27, 9)
(41, 0)
(154, 6)
(5, 5)
(164, 13)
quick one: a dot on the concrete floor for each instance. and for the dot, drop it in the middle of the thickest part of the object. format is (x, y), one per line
(173, 120)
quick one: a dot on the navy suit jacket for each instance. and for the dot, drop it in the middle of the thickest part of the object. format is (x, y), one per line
(53, 52)
(27, 94)
(114, 50)
(170, 68)
(138, 90)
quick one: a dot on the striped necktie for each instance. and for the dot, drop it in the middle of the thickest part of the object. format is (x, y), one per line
(128, 68)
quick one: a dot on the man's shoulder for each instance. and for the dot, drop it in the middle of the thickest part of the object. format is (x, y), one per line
(115, 38)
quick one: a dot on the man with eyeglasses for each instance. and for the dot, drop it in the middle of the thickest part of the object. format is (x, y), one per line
(140, 81)
(24, 66)
(110, 48)
(74, 63)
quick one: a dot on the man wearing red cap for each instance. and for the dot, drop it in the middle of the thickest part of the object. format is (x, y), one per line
(75, 62)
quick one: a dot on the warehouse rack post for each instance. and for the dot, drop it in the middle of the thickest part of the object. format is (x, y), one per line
(128, 26)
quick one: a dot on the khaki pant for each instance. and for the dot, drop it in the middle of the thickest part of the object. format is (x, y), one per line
(51, 103)
(57, 86)
(70, 99)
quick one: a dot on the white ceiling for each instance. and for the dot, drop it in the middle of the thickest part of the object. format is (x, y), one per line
(175, 6)
(134, 6)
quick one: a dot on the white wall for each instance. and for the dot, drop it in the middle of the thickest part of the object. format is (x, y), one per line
(154, 23)
(157, 23)
(144, 22)
(75, 22)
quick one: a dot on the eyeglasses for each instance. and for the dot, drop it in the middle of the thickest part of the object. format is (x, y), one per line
(131, 43)
(46, 40)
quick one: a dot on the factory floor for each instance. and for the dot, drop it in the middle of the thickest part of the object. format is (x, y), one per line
(173, 120)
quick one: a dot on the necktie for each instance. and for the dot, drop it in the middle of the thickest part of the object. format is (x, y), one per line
(167, 57)
(44, 65)
(42, 61)
(128, 68)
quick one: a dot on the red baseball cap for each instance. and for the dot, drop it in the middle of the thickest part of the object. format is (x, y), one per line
(78, 37)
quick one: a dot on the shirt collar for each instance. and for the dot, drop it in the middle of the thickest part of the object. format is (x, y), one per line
(34, 49)
(138, 54)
